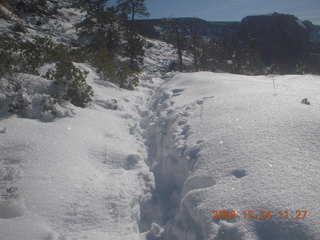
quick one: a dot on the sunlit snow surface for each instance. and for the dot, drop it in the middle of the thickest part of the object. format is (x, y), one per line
(79, 177)
(244, 146)
(213, 142)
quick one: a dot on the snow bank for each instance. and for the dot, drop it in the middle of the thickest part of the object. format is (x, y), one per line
(30, 96)
(81, 177)
(213, 142)
(223, 142)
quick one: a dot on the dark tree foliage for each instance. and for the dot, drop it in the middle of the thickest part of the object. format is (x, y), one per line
(100, 27)
(129, 10)
(133, 8)
(197, 47)
(246, 58)
(279, 40)
(175, 37)
(34, 7)
(70, 84)
(109, 32)
(215, 56)
(6, 58)
(5, 2)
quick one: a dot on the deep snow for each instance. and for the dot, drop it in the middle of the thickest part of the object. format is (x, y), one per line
(79, 177)
(154, 163)
(229, 142)
(211, 141)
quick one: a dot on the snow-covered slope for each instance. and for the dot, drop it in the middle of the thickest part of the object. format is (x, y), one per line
(58, 24)
(81, 177)
(159, 56)
(174, 150)
(222, 142)
(155, 162)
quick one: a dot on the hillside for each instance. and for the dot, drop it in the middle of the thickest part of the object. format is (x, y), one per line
(274, 43)
(155, 28)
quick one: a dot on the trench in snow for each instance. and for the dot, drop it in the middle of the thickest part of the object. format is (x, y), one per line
(170, 160)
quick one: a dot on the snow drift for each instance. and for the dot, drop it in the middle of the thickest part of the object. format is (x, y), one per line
(222, 142)
(154, 163)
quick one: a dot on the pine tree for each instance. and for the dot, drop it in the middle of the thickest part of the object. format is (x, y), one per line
(129, 10)
(218, 55)
(247, 58)
(99, 30)
(175, 37)
(133, 8)
(196, 46)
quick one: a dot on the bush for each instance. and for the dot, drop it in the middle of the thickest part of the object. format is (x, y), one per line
(70, 84)
(19, 28)
(125, 77)
(18, 103)
(17, 96)
(21, 56)
(18, 56)
(34, 54)
(7, 59)
(16, 99)
(116, 72)
(106, 68)
(79, 54)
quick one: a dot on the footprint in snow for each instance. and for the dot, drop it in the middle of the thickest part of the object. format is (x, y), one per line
(131, 161)
(177, 91)
(239, 173)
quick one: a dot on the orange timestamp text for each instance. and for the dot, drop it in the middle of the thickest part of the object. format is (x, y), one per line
(299, 214)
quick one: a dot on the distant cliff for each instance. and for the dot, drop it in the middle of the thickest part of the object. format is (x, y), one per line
(278, 41)
(155, 28)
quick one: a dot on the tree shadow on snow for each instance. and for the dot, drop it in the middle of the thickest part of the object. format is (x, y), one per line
(5, 115)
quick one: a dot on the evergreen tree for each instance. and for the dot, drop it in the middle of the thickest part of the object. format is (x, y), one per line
(247, 58)
(196, 46)
(133, 8)
(129, 10)
(219, 55)
(176, 38)
(99, 30)
(70, 84)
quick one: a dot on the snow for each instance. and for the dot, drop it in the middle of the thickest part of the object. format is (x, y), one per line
(160, 55)
(175, 149)
(153, 163)
(301, 24)
(80, 177)
(59, 27)
(227, 142)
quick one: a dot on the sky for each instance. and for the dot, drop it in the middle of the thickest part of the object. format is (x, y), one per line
(233, 10)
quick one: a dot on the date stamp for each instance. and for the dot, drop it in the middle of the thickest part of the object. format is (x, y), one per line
(299, 214)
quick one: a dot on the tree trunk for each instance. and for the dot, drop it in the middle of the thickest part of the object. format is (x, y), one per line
(133, 11)
(195, 52)
(179, 47)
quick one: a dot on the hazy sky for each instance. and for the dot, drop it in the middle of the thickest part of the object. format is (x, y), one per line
(233, 10)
